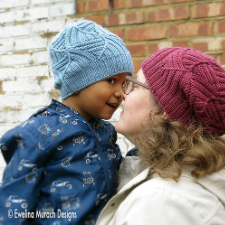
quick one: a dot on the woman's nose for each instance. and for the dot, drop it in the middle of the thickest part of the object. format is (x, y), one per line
(124, 96)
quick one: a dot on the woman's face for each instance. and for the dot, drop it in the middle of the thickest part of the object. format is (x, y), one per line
(137, 107)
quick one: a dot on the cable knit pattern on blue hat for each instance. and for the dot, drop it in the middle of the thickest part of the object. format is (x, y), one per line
(84, 53)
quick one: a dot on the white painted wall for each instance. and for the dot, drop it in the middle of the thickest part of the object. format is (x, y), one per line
(26, 84)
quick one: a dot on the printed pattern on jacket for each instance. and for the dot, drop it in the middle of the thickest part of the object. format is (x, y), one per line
(60, 169)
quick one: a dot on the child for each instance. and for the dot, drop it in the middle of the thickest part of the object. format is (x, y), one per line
(62, 162)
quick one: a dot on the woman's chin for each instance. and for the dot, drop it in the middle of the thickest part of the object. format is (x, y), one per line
(119, 127)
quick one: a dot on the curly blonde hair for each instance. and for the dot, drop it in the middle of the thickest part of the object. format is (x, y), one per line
(167, 146)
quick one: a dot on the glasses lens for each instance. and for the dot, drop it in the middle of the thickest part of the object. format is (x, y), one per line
(128, 87)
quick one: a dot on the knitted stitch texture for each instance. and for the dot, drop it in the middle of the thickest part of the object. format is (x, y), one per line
(84, 53)
(189, 86)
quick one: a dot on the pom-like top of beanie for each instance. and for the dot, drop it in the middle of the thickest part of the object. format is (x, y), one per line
(189, 86)
(84, 53)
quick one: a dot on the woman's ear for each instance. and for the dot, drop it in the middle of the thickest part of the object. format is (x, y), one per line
(165, 116)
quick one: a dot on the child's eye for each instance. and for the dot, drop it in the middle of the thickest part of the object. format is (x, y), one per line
(111, 80)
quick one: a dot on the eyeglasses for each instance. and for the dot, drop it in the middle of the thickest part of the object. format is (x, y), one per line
(129, 85)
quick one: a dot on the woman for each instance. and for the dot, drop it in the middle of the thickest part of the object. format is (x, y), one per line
(176, 121)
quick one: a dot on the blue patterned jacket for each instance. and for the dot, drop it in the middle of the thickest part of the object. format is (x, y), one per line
(61, 169)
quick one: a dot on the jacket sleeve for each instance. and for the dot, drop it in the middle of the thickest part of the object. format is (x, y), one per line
(156, 206)
(20, 186)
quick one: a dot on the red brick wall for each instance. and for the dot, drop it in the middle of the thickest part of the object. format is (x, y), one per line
(148, 25)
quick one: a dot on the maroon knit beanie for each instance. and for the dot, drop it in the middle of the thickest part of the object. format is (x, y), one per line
(189, 86)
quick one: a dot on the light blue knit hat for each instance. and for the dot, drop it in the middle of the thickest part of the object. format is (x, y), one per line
(84, 53)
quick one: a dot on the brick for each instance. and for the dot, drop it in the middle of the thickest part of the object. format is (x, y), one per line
(113, 20)
(7, 17)
(16, 3)
(26, 72)
(5, 4)
(137, 64)
(7, 73)
(222, 44)
(12, 101)
(176, 13)
(125, 18)
(97, 5)
(209, 10)
(201, 46)
(135, 17)
(80, 7)
(147, 33)
(97, 19)
(143, 3)
(27, 86)
(153, 48)
(182, 12)
(183, 44)
(36, 101)
(70, 20)
(200, 11)
(182, 1)
(10, 115)
(118, 4)
(48, 84)
(30, 43)
(1, 89)
(13, 3)
(3, 129)
(220, 27)
(221, 59)
(38, 2)
(43, 28)
(61, 10)
(191, 29)
(3, 116)
(120, 33)
(40, 57)
(31, 14)
(209, 44)
(7, 60)
(153, 16)
(136, 50)
(14, 115)
(20, 85)
(6, 45)
(165, 44)
(29, 102)
(15, 31)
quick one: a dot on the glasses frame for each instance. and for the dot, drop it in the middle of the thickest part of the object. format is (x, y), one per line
(135, 81)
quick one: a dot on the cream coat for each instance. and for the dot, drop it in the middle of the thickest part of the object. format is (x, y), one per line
(142, 200)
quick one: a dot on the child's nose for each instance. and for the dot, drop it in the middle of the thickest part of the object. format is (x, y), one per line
(119, 92)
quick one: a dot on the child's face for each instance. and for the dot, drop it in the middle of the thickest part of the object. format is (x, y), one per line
(99, 100)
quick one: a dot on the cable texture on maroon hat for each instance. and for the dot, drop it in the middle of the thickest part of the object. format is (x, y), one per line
(189, 85)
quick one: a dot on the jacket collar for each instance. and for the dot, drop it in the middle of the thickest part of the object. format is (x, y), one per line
(132, 167)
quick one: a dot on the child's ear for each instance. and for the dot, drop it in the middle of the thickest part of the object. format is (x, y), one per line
(165, 116)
